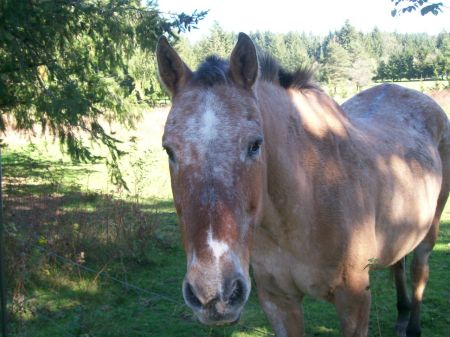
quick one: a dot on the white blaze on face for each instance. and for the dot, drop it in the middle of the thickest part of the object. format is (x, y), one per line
(209, 122)
(203, 128)
(218, 247)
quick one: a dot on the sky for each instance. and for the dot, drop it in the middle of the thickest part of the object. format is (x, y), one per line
(310, 16)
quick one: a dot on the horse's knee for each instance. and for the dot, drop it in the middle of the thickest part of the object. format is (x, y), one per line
(285, 315)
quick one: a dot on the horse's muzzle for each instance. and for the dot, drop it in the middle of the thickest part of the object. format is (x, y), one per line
(222, 309)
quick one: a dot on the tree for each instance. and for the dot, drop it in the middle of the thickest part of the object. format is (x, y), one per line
(69, 64)
(362, 71)
(186, 51)
(296, 52)
(402, 65)
(337, 65)
(219, 43)
(375, 43)
(363, 66)
(347, 36)
(313, 47)
(409, 6)
(384, 71)
(443, 57)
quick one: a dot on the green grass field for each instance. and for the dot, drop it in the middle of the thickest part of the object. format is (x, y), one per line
(128, 246)
(344, 92)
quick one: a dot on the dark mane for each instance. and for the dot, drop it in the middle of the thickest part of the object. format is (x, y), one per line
(271, 71)
(215, 70)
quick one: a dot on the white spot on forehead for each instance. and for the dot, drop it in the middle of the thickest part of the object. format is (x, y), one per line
(202, 128)
(209, 121)
(218, 247)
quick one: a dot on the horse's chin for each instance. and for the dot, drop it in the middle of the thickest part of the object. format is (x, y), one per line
(220, 322)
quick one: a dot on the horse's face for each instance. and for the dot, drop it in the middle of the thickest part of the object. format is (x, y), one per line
(213, 137)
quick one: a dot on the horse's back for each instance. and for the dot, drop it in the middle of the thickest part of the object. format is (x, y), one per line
(398, 113)
(394, 106)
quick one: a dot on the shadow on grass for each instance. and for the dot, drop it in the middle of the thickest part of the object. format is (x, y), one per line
(110, 310)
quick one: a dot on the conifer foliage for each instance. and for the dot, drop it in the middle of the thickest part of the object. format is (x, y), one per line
(68, 64)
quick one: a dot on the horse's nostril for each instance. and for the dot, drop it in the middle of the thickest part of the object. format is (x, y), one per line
(190, 297)
(237, 292)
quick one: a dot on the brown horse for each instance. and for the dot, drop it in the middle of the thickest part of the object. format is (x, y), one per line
(265, 167)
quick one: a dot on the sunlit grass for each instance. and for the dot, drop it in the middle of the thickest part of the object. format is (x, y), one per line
(442, 247)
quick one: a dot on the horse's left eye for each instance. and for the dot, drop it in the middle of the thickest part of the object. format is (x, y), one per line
(254, 148)
(170, 153)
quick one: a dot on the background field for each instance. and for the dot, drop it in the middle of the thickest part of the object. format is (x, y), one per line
(88, 259)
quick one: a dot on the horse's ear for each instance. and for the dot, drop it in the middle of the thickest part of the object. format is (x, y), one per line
(173, 72)
(244, 62)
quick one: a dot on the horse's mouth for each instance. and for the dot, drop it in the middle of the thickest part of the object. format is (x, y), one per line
(221, 323)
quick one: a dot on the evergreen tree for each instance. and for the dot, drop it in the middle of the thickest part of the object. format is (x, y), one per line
(347, 37)
(219, 42)
(296, 53)
(363, 65)
(443, 55)
(186, 51)
(337, 65)
(375, 43)
(384, 72)
(67, 65)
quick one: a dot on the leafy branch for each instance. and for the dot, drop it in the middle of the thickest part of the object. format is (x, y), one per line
(69, 65)
(409, 6)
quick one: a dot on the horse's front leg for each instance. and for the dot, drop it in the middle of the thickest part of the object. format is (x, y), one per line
(285, 314)
(352, 302)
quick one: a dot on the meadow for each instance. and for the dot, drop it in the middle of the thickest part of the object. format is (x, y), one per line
(86, 258)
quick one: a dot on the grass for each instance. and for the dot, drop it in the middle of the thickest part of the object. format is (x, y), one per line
(54, 205)
(344, 92)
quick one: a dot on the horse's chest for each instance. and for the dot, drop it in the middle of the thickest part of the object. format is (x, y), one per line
(279, 270)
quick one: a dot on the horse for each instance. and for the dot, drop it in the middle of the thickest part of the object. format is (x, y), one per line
(267, 170)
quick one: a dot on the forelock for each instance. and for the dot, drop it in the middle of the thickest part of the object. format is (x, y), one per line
(214, 70)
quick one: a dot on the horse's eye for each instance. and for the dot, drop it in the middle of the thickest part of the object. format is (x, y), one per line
(170, 153)
(254, 148)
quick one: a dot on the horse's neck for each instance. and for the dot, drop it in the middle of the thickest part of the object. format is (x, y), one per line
(304, 132)
(297, 122)
(319, 113)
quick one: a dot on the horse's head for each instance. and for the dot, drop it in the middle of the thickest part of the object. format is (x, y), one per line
(213, 137)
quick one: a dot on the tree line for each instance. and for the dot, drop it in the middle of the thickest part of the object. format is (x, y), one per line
(343, 56)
